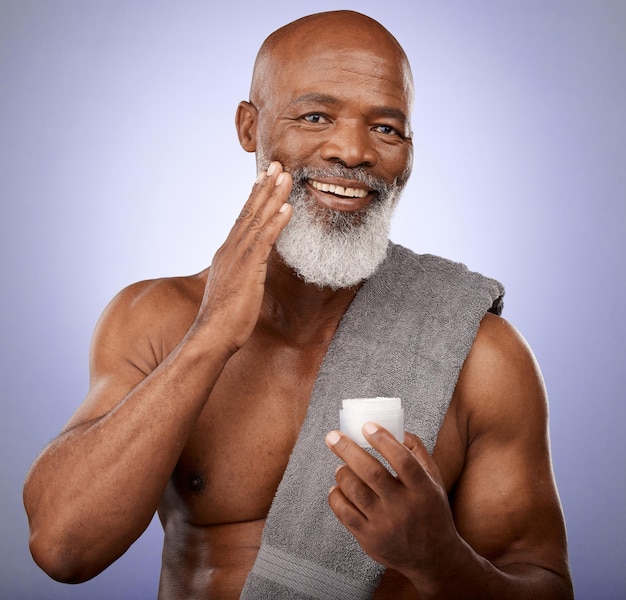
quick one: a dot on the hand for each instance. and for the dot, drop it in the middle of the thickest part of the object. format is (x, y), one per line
(236, 281)
(403, 522)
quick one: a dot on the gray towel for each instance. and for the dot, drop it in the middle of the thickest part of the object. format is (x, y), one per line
(406, 334)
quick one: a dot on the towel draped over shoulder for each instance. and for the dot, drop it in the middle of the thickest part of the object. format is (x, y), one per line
(406, 334)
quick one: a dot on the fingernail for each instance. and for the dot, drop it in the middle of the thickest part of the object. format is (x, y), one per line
(332, 438)
(370, 428)
(284, 207)
(272, 168)
(260, 176)
(280, 178)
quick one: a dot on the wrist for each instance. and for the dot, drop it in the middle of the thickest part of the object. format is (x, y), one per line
(458, 573)
(206, 340)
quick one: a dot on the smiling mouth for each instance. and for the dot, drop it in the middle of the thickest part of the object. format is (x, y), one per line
(339, 190)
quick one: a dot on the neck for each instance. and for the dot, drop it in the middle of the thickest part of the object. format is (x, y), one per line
(300, 312)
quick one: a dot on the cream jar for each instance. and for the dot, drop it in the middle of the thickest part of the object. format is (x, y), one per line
(387, 412)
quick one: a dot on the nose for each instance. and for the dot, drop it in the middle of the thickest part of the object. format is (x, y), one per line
(350, 144)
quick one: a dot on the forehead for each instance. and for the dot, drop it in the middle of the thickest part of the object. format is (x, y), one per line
(344, 71)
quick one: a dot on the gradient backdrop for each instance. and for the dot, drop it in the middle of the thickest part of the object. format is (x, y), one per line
(119, 162)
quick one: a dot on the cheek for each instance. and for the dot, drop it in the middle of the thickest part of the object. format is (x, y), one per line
(395, 161)
(291, 147)
(404, 164)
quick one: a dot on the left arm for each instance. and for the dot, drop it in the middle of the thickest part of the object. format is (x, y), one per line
(501, 534)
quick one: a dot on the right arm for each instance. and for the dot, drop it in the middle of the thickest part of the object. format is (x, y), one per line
(96, 487)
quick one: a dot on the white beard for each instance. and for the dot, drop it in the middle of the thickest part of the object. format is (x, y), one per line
(331, 248)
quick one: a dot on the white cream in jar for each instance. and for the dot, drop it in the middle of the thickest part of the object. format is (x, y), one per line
(387, 412)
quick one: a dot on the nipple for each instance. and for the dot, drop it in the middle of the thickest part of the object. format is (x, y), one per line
(196, 482)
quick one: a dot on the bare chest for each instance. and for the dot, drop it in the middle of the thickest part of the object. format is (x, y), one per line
(236, 455)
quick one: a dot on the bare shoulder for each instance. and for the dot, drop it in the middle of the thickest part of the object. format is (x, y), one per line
(499, 398)
(155, 295)
(501, 389)
(151, 308)
(135, 333)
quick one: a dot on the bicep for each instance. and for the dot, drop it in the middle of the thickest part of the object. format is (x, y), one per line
(505, 503)
(121, 356)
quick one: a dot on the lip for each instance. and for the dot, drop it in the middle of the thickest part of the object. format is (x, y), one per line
(341, 203)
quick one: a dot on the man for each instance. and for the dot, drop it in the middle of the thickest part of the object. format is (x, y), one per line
(200, 386)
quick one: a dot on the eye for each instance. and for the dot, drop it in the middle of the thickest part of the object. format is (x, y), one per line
(386, 130)
(315, 118)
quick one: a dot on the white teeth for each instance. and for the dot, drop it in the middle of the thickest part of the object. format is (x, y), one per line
(339, 190)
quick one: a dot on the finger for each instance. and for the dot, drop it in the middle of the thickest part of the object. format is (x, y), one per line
(348, 514)
(417, 448)
(277, 223)
(269, 192)
(266, 207)
(365, 466)
(410, 462)
(355, 490)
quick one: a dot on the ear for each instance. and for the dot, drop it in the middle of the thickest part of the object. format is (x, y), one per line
(246, 121)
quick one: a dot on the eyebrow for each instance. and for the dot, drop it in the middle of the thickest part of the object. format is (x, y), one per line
(384, 111)
(315, 97)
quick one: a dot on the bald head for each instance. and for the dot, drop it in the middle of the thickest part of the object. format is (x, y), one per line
(330, 100)
(339, 31)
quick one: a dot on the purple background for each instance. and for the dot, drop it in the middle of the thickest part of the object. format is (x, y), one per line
(119, 162)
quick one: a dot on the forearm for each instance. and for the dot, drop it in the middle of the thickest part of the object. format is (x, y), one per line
(94, 490)
(468, 576)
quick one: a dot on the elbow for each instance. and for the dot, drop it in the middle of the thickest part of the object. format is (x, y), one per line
(54, 548)
(57, 559)
(68, 544)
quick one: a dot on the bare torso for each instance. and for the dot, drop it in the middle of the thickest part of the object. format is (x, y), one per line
(199, 387)
(214, 507)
